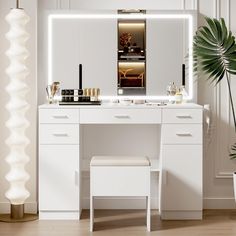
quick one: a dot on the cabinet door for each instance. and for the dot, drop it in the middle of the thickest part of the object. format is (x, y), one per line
(182, 177)
(59, 178)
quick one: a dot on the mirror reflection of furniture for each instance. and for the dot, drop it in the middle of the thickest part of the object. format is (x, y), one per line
(131, 54)
(131, 76)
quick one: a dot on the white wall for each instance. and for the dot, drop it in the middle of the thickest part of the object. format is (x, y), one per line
(218, 191)
(31, 9)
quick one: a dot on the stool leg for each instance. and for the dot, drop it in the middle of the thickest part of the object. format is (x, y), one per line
(148, 206)
(91, 213)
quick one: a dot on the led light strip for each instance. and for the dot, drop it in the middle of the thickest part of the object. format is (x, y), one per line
(189, 17)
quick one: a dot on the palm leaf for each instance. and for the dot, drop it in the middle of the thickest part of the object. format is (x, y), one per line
(214, 54)
(233, 151)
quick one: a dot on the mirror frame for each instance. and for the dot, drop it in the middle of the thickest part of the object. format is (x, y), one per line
(191, 16)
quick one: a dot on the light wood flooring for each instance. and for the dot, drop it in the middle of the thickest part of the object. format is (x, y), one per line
(127, 222)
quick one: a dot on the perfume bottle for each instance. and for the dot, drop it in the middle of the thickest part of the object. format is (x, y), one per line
(171, 89)
(184, 93)
(178, 97)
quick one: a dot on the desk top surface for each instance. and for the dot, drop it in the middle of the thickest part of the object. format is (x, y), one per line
(131, 106)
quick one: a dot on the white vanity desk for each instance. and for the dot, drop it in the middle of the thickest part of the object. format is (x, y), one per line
(180, 155)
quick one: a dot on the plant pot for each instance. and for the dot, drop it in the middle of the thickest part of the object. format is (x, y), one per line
(234, 182)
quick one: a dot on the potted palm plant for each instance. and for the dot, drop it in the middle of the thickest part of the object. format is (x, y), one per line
(214, 54)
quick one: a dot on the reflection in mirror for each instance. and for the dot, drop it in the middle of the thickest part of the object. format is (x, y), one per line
(137, 54)
(167, 48)
(131, 55)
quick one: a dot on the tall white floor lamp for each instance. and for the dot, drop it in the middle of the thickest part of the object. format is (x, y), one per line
(17, 122)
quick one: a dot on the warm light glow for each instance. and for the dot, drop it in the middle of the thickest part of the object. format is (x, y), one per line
(136, 16)
(131, 64)
(133, 25)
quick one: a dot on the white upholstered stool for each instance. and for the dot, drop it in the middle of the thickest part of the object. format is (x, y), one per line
(119, 176)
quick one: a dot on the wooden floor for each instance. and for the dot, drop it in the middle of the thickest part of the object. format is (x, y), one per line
(123, 222)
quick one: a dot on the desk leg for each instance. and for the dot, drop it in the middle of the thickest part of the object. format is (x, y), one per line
(91, 213)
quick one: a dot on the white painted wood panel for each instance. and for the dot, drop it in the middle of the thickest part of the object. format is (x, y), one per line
(128, 4)
(120, 181)
(182, 170)
(120, 116)
(59, 134)
(59, 116)
(181, 134)
(59, 178)
(184, 116)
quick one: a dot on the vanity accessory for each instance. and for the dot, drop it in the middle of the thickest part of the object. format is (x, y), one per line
(156, 103)
(178, 97)
(53, 92)
(184, 93)
(126, 101)
(87, 96)
(183, 74)
(171, 89)
(139, 101)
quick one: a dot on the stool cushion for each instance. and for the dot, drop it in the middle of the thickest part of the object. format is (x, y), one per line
(119, 161)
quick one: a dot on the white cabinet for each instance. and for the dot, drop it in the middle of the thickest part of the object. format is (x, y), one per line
(182, 180)
(181, 190)
(180, 156)
(59, 164)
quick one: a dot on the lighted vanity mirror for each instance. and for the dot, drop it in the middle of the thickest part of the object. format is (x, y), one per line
(129, 54)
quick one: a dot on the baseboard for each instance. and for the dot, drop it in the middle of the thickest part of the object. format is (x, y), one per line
(127, 203)
(30, 207)
(120, 203)
(218, 203)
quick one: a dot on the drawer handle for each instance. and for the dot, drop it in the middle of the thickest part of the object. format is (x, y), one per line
(60, 117)
(184, 116)
(60, 135)
(184, 134)
(122, 116)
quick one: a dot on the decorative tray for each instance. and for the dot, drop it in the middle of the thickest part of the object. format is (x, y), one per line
(81, 103)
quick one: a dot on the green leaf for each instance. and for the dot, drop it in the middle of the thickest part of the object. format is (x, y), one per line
(214, 54)
(219, 30)
(224, 29)
(212, 27)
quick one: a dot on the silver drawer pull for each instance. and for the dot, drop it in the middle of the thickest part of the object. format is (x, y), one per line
(60, 117)
(60, 135)
(184, 134)
(184, 116)
(122, 116)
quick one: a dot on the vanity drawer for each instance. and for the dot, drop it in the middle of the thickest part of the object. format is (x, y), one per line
(181, 134)
(59, 134)
(58, 116)
(120, 116)
(182, 116)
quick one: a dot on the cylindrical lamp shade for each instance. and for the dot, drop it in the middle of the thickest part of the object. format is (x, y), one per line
(17, 107)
